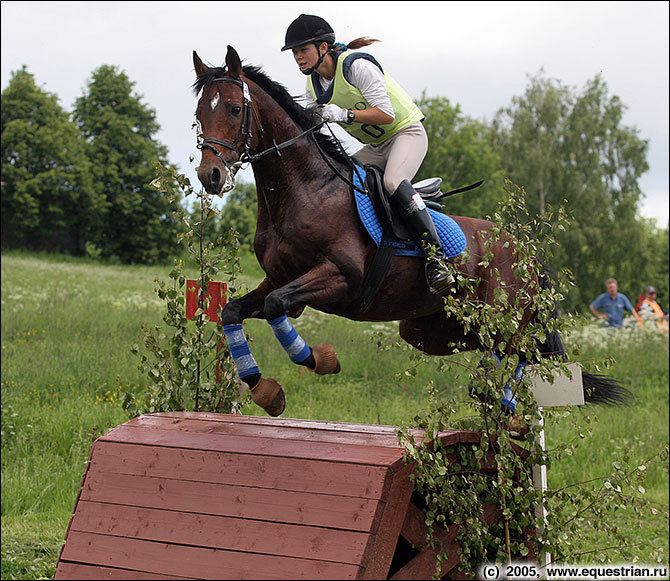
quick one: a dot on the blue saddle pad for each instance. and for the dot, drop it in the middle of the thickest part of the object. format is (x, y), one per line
(451, 236)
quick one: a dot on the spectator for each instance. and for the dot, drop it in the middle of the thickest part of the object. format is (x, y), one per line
(613, 304)
(650, 310)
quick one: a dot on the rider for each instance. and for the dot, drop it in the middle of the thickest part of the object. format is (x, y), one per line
(355, 91)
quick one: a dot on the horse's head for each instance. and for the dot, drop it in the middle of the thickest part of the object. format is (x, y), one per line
(225, 115)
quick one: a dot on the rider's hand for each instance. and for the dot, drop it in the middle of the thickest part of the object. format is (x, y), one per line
(335, 113)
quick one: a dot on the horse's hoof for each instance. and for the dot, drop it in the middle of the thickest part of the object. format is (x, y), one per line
(517, 425)
(325, 359)
(269, 395)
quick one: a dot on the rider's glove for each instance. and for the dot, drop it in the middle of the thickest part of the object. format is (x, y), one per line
(335, 113)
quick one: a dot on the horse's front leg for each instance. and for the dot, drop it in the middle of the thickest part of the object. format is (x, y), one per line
(324, 284)
(266, 392)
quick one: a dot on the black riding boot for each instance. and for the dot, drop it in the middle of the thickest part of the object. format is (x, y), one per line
(420, 224)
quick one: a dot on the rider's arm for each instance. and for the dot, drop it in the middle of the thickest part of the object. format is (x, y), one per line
(369, 80)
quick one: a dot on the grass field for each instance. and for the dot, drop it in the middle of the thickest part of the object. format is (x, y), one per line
(67, 330)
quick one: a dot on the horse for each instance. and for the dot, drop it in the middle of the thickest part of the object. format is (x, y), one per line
(310, 242)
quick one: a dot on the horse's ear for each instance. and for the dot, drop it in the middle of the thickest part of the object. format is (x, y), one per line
(200, 67)
(233, 62)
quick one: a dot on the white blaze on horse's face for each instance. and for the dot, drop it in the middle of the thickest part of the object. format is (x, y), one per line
(215, 101)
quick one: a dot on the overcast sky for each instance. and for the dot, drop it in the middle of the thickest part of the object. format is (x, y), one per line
(477, 54)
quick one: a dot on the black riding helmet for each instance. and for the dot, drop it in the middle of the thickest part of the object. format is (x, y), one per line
(307, 28)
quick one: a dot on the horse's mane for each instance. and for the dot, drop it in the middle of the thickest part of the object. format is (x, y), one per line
(302, 116)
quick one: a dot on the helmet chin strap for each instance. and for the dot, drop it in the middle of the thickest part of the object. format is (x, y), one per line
(310, 70)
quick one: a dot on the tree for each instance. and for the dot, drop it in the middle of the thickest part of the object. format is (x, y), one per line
(138, 225)
(558, 146)
(48, 197)
(461, 151)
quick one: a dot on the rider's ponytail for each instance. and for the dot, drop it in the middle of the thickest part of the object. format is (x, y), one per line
(354, 44)
(361, 42)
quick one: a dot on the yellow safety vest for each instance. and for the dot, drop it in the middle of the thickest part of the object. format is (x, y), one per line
(344, 94)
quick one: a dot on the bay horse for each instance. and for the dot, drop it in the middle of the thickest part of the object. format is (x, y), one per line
(310, 242)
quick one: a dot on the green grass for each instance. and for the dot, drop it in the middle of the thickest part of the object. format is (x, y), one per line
(67, 330)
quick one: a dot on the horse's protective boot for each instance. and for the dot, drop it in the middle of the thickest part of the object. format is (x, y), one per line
(420, 224)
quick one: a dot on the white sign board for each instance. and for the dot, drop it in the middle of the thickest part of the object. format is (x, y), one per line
(565, 390)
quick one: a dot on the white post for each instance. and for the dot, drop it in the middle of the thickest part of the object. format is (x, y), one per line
(540, 483)
(564, 391)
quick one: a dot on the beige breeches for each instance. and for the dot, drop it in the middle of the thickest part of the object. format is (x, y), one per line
(399, 157)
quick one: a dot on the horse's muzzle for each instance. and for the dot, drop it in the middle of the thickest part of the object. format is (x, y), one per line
(216, 176)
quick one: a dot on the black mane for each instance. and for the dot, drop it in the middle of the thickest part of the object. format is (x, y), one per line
(303, 117)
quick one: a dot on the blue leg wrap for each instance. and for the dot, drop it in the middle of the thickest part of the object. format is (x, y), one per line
(239, 349)
(508, 400)
(289, 339)
(498, 360)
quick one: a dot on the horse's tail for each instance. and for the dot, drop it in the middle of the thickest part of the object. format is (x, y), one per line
(598, 389)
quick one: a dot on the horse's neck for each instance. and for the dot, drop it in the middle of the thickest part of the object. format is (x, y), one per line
(289, 182)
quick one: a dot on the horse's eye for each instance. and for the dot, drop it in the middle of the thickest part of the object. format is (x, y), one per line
(236, 109)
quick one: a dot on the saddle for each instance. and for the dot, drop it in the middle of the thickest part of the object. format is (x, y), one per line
(387, 228)
(390, 220)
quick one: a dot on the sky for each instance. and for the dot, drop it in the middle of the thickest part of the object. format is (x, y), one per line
(479, 55)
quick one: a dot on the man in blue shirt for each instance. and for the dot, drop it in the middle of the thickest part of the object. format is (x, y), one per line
(612, 304)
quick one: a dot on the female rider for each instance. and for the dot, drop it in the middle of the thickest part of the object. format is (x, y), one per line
(355, 91)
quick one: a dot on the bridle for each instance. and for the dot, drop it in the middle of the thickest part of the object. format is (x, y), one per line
(249, 114)
(244, 133)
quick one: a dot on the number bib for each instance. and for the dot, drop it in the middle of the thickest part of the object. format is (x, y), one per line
(344, 94)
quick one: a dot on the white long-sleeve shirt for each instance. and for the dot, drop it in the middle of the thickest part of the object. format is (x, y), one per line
(368, 79)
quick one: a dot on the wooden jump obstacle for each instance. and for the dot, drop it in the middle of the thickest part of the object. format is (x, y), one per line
(213, 496)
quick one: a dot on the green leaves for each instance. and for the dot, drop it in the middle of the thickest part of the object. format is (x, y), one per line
(189, 365)
(456, 483)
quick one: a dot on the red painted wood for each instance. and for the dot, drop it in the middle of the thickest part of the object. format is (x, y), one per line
(379, 554)
(423, 565)
(190, 561)
(88, 572)
(370, 455)
(278, 473)
(288, 422)
(215, 532)
(414, 529)
(268, 431)
(216, 293)
(235, 501)
(197, 495)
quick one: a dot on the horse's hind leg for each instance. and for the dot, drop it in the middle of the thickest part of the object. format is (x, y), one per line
(435, 335)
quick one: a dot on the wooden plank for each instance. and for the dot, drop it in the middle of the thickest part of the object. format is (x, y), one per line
(274, 432)
(235, 534)
(414, 529)
(371, 455)
(89, 572)
(81, 485)
(281, 506)
(423, 565)
(288, 422)
(201, 563)
(379, 554)
(319, 477)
